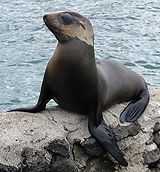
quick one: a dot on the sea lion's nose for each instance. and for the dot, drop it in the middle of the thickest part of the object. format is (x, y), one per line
(45, 16)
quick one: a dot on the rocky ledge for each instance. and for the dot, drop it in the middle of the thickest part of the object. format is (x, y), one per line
(56, 140)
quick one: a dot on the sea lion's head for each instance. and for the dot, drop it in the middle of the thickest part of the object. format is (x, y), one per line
(70, 25)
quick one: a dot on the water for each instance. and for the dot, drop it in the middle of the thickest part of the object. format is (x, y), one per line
(125, 30)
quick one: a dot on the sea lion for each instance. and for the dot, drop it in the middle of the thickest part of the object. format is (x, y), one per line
(79, 83)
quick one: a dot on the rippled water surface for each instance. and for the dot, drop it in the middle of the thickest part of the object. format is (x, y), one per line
(126, 31)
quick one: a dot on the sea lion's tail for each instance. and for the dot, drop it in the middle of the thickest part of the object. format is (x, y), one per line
(135, 109)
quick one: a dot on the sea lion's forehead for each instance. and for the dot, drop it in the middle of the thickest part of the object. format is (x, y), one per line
(74, 15)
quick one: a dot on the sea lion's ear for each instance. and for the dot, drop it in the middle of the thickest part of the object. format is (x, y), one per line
(82, 24)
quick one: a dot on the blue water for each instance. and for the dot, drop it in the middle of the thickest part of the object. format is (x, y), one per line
(126, 31)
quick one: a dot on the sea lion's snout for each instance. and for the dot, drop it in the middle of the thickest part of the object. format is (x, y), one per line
(45, 16)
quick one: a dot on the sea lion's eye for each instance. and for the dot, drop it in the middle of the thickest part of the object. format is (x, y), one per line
(66, 20)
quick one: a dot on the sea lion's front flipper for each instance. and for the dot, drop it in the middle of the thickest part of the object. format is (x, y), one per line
(105, 136)
(134, 109)
(44, 97)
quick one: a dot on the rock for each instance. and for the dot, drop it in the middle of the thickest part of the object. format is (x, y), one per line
(151, 139)
(151, 158)
(156, 127)
(34, 161)
(122, 132)
(92, 147)
(80, 157)
(157, 138)
(58, 140)
(58, 146)
(62, 159)
(156, 134)
(6, 168)
(99, 165)
(62, 164)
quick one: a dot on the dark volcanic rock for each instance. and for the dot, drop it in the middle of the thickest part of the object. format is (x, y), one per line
(92, 147)
(151, 158)
(5, 168)
(99, 165)
(62, 164)
(62, 158)
(156, 127)
(157, 134)
(58, 146)
(121, 132)
(34, 161)
(157, 138)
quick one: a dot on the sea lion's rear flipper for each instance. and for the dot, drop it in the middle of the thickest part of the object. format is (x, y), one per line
(44, 97)
(105, 136)
(134, 109)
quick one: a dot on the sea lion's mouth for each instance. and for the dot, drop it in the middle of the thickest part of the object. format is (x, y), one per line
(51, 25)
(53, 29)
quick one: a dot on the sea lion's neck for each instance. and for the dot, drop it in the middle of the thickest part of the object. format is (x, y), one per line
(76, 48)
(75, 51)
(74, 55)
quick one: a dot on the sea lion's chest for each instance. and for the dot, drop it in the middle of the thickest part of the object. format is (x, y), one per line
(72, 85)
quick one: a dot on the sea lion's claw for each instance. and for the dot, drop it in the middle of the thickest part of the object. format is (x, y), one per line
(134, 109)
(105, 136)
